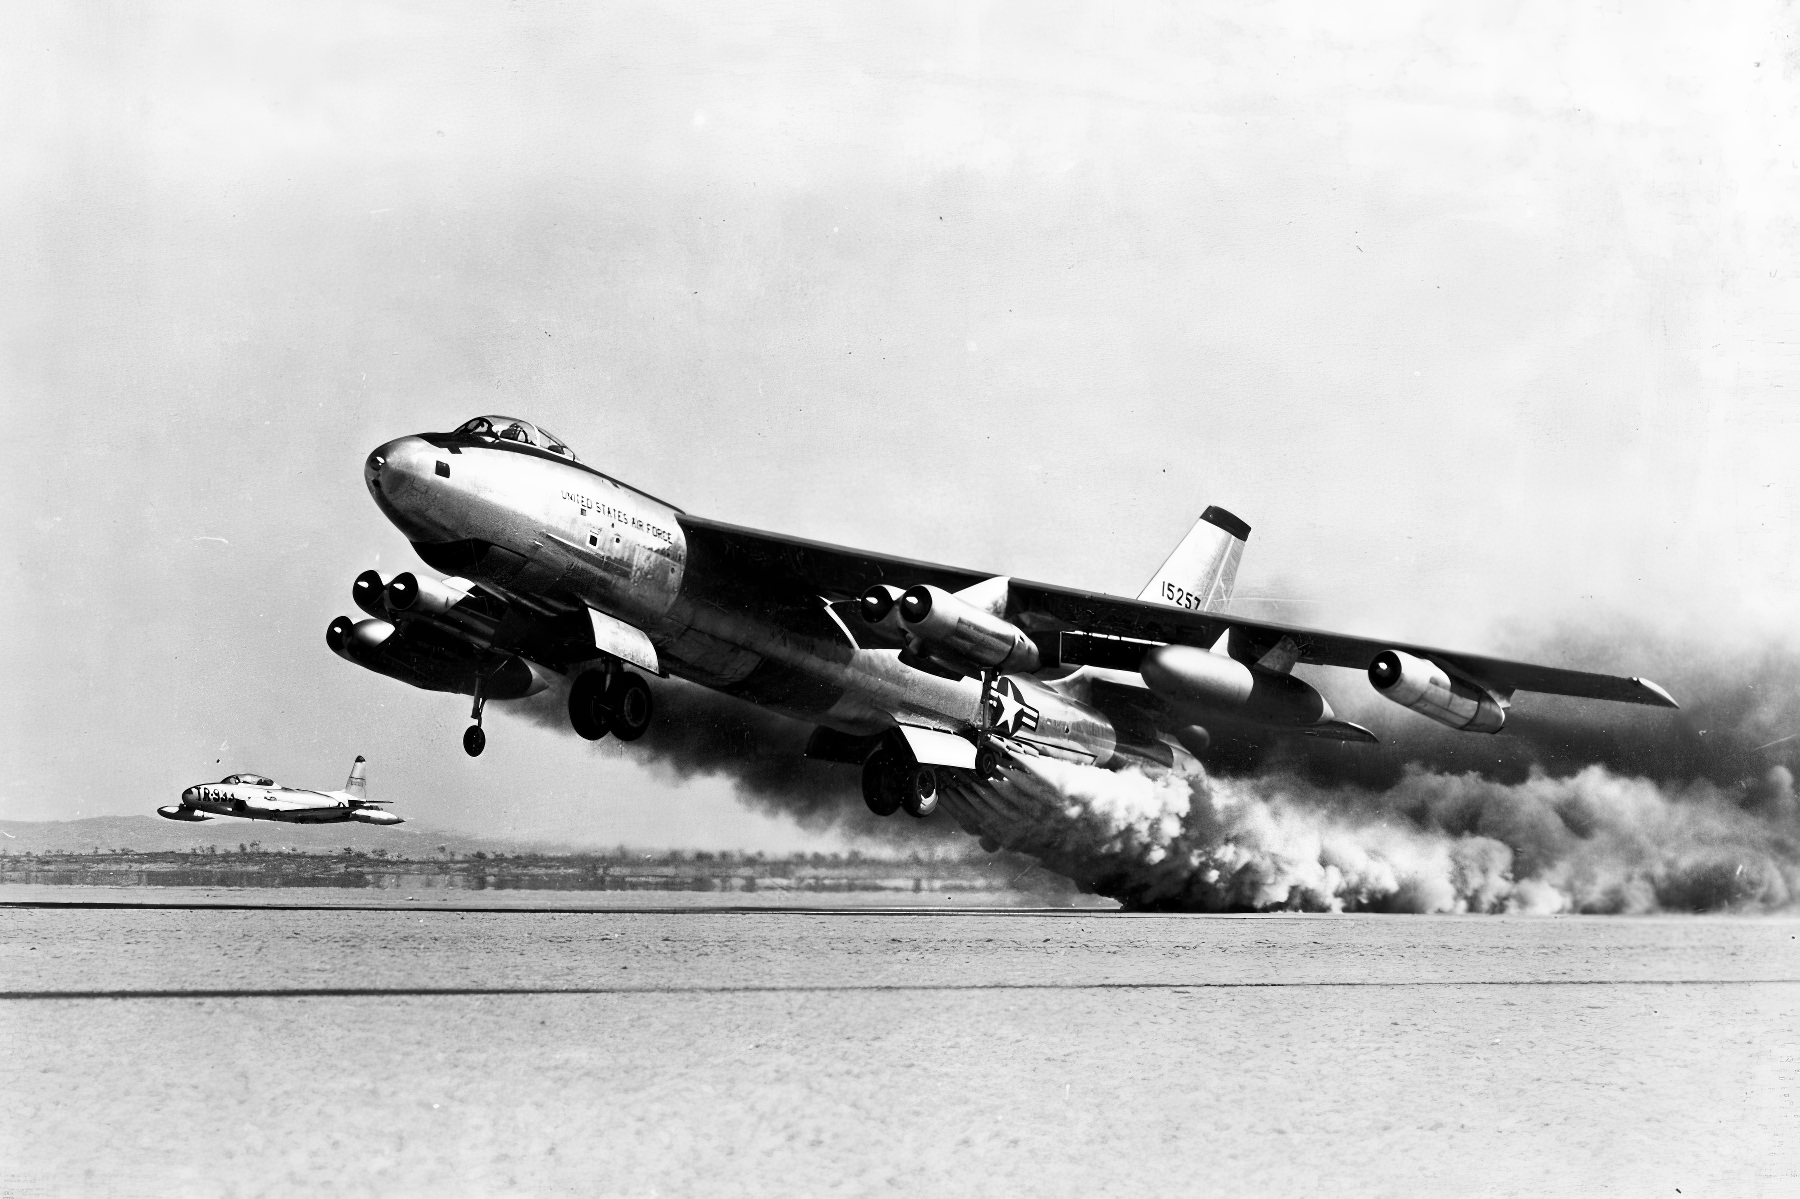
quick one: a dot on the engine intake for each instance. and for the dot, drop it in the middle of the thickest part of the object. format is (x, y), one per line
(957, 631)
(368, 592)
(1426, 688)
(880, 606)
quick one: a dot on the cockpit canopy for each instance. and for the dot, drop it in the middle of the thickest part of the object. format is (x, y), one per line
(249, 780)
(510, 428)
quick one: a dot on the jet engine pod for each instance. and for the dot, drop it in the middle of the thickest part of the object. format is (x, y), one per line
(368, 592)
(438, 602)
(880, 606)
(954, 629)
(425, 597)
(335, 634)
(1426, 688)
(1190, 676)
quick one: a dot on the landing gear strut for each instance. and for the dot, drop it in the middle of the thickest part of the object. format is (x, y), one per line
(474, 740)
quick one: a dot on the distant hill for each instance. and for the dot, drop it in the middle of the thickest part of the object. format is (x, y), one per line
(154, 834)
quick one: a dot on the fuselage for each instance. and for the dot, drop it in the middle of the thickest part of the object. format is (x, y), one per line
(525, 520)
(254, 797)
(286, 804)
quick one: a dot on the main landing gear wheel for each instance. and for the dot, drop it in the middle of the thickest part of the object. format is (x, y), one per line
(629, 697)
(880, 786)
(588, 709)
(918, 791)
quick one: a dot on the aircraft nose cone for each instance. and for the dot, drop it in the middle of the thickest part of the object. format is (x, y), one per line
(402, 480)
(191, 795)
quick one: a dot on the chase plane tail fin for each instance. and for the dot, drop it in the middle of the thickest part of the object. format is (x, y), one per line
(355, 786)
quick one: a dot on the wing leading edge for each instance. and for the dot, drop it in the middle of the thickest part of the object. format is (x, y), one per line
(1041, 608)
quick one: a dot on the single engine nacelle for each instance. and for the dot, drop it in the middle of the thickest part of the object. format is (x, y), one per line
(1427, 689)
(955, 630)
(437, 664)
(409, 595)
(368, 593)
(359, 641)
(1191, 677)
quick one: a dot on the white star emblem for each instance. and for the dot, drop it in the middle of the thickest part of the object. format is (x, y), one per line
(1011, 712)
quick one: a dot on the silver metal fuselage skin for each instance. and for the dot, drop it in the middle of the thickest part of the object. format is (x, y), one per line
(625, 554)
(289, 805)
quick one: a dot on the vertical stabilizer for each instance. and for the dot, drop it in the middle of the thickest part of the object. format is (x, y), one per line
(1200, 573)
(354, 786)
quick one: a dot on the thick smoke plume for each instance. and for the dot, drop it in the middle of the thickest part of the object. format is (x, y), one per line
(1577, 806)
(700, 733)
(1590, 842)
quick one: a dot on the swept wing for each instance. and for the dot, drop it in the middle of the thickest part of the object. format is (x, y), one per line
(1043, 609)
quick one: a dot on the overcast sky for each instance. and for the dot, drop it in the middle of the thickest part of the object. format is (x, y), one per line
(1484, 318)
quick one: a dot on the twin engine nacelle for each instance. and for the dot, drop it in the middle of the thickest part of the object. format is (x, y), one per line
(1427, 689)
(408, 597)
(951, 629)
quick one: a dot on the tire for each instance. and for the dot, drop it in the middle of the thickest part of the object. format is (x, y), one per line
(918, 791)
(879, 787)
(474, 741)
(587, 705)
(632, 707)
(987, 762)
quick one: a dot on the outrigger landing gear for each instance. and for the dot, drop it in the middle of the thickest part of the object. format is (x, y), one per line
(987, 758)
(474, 740)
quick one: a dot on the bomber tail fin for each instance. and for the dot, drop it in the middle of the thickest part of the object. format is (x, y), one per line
(1201, 572)
(355, 786)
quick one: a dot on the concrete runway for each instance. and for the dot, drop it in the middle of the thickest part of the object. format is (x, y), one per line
(264, 1042)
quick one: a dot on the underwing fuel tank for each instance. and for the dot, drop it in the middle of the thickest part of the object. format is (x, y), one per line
(1190, 677)
(958, 631)
(1425, 687)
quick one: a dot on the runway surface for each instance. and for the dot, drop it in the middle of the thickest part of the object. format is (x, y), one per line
(247, 1043)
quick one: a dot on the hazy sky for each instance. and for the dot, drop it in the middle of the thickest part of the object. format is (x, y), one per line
(1484, 318)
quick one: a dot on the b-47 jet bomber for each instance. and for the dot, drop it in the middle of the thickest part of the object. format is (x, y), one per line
(255, 797)
(555, 571)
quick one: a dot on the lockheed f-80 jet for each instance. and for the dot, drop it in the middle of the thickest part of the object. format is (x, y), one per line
(556, 571)
(256, 797)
